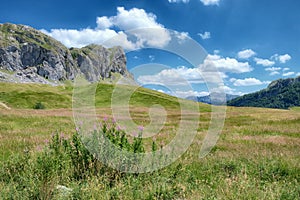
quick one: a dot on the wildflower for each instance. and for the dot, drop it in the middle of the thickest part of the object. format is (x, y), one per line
(114, 120)
(39, 148)
(46, 141)
(62, 135)
(134, 134)
(105, 118)
(141, 128)
(77, 129)
(119, 128)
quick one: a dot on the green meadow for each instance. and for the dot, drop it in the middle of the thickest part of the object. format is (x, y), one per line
(256, 157)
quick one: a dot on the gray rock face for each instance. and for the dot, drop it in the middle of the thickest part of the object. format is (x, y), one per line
(35, 56)
(97, 62)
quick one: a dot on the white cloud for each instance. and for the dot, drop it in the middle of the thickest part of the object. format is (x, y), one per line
(181, 76)
(285, 69)
(149, 32)
(264, 62)
(103, 23)
(282, 58)
(181, 36)
(184, 94)
(216, 51)
(272, 69)
(248, 82)
(206, 35)
(288, 74)
(80, 38)
(225, 64)
(274, 73)
(178, 1)
(213, 70)
(189, 93)
(245, 54)
(226, 89)
(210, 2)
(298, 74)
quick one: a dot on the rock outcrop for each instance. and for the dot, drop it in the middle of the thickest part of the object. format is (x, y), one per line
(28, 55)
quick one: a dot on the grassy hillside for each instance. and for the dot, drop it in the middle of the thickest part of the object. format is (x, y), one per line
(25, 96)
(282, 94)
(256, 157)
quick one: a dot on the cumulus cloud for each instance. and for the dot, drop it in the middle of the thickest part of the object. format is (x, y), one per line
(273, 70)
(206, 35)
(181, 76)
(282, 58)
(216, 51)
(285, 69)
(80, 38)
(274, 73)
(184, 94)
(248, 82)
(190, 93)
(181, 36)
(298, 74)
(288, 74)
(210, 2)
(245, 54)
(213, 70)
(264, 62)
(225, 64)
(226, 89)
(103, 23)
(149, 32)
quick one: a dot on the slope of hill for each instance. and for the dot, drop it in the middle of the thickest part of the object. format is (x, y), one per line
(25, 96)
(257, 153)
(28, 55)
(208, 100)
(282, 93)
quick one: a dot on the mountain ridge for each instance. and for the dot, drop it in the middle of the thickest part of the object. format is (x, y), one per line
(281, 93)
(213, 98)
(28, 55)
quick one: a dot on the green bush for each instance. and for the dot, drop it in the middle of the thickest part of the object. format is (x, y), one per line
(39, 106)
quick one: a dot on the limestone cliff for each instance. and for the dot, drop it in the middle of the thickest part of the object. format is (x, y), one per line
(28, 55)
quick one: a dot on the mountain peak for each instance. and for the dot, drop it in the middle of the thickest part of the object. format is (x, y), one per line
(29, 55)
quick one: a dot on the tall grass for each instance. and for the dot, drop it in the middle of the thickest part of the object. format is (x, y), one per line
(256, 157)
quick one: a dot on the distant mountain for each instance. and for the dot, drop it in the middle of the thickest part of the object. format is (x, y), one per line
(28, 55)
(282, 93)
(214, 98)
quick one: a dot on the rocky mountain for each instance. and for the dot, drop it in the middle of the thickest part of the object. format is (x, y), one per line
(215, 99)
(28, 55)
(282, 93)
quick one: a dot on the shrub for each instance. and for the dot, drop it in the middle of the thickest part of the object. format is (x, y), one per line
(39, 106)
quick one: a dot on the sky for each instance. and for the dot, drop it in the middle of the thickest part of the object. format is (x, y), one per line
(248, 43)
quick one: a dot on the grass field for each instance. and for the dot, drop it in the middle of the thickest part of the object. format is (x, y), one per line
(257, 155)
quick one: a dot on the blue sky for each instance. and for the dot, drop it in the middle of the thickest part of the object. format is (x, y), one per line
(251, 42)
